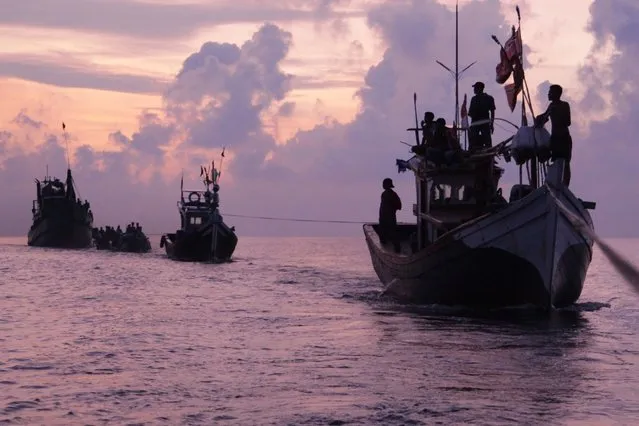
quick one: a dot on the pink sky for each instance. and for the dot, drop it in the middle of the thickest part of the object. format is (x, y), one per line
(310, 98)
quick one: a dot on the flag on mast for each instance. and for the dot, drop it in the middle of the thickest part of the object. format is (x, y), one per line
(510, 63)
(464, 114)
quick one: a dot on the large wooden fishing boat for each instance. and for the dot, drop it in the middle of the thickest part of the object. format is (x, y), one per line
(203, 236)
(60, 218)
(471, 246)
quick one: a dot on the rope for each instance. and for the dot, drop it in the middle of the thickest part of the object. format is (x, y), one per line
(290, 219)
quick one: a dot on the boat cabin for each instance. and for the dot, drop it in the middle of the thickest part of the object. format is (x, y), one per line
(197, 208)
(51, 193)
(449, 197)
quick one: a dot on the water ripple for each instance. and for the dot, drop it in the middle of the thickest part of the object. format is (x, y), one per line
(295, 332)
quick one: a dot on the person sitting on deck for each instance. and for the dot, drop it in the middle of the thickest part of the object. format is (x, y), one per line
(428, 128)
(443, 149)
(560, 140)
(388, 207)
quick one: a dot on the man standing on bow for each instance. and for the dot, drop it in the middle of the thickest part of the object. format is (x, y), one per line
(560, 140)
(387, 215)
(482, 109)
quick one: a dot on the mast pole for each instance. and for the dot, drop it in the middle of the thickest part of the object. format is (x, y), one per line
(456, 73)
(457, 67)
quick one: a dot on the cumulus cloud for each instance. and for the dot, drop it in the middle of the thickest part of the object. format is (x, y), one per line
(605, 151)
(225, 95)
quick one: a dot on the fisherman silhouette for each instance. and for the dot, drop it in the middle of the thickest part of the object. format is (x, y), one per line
(388, 207)
(560, 139)
(482, 107)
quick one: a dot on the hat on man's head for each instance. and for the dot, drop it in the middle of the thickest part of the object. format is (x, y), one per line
(387, 183)
(479, 84)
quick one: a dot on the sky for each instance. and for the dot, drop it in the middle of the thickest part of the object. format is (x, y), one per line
(310, 98)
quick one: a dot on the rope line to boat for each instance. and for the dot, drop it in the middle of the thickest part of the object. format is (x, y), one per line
(292, 219)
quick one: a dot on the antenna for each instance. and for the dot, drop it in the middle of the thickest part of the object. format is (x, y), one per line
(219, 173)
(66, 142)
(456, 74)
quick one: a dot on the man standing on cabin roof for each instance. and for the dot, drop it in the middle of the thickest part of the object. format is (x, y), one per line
(387, 215)
(560, 140)
(482, 108)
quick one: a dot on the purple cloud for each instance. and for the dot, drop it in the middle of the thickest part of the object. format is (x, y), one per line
(221, 96)
(605, 151)
(159, 20)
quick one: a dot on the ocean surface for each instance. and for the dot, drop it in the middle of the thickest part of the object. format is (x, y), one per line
(294, 332)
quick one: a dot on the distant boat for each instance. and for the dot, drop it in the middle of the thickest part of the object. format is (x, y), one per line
(60, 219)
(203, 236)
(471, 246)
(131, 241)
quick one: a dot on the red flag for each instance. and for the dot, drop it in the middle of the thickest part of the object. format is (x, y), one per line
(464, 114)
(512, 91)
(509, 56)
(513, 46)
(503, 68)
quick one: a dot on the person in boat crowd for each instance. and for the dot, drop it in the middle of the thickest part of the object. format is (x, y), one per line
(113, 237)
(388, 207)
(428, 127)
(216, 195)
(560, 139)
(482, 107)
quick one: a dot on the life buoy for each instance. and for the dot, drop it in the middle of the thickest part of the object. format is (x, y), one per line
(194, 197)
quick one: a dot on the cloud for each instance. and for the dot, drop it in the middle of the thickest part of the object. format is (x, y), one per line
(605, 151)
(155, 19)
(228, 95)
(68, 72)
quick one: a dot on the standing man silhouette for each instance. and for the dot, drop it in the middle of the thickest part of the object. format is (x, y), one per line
(482, 107)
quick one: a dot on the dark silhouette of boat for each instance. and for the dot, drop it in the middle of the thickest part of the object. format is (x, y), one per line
(470, 246)
(133, 240)
(60, 218)
(203, 236)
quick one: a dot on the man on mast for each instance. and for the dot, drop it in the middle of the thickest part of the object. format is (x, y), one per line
(482, 108)
(560, 140)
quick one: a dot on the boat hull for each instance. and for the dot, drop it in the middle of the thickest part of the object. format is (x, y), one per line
(128, 244)
(61, 232)
(198, 246)
(526, 253)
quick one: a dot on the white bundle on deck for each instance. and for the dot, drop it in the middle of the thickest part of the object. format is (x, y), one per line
(529, 141)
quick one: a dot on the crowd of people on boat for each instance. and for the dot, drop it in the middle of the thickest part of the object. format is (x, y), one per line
(440, 144)
(115, 238)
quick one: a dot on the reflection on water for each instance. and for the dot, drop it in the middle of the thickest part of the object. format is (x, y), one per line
(294, 332)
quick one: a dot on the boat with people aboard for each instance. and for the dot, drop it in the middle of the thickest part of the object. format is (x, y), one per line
(60, 219)
(132, 240)
(470, 245)
(203, 236)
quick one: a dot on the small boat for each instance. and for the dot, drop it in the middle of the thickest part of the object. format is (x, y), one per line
(470, 246)
(60, 218)
(133, 240)
(203, 236)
